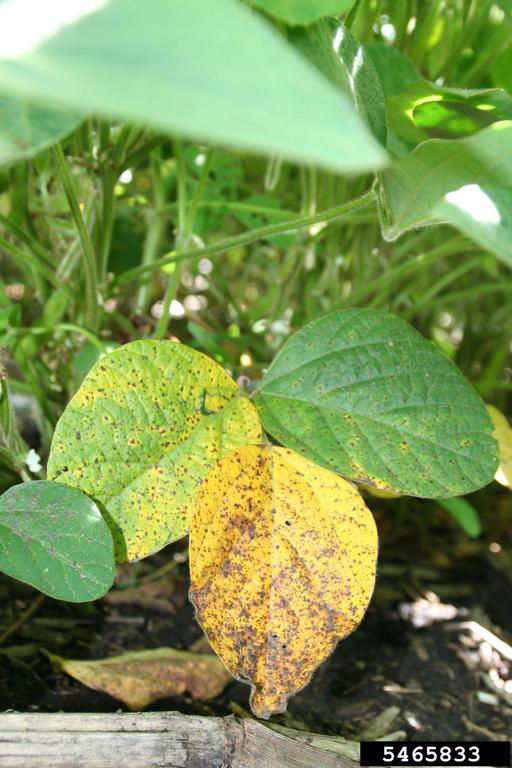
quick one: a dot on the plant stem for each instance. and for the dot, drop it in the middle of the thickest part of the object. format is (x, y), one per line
(185, 226)
(174, 280)
(198, 194)
(246, 238)
(451, 276)
(27, 259)
(39, 330)
(170, 292)
(108, 184)
(156, 225)
(383, 285)
(34, 246)
(21, 620)
(232, 205)
(472, 293)
(91, 275)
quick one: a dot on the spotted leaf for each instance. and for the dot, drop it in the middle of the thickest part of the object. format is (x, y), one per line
(361, 392)
(282, 559)
(142, 432)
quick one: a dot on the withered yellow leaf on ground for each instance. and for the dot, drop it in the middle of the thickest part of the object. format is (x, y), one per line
(282, 559)
(140, 677)
(503, 434)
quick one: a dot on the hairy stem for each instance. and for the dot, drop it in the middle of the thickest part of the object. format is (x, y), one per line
(246, 238)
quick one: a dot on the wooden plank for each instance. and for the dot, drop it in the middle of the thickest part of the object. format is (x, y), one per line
(153, 740)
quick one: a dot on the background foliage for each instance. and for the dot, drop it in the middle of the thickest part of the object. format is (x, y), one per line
(225, 174)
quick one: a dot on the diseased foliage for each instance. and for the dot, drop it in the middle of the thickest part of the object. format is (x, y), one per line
(313, 376)
(147, 424)
(282, 561)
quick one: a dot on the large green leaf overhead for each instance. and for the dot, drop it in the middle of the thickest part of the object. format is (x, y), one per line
(344, 61)
(55, 539)
(301, 12)
(361, 392)
(27, 128)
(142, 432)
(210, 70)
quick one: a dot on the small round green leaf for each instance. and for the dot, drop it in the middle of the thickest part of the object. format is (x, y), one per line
(361, 392)
(146, 426)
(55, 539)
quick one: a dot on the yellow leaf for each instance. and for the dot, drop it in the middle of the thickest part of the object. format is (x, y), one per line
(282, 559)
(503, 434)
(141, 677)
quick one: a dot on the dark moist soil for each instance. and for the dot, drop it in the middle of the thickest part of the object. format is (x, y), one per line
(418, 665)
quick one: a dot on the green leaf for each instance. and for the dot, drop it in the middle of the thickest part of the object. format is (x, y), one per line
(464, 182)
(426, 111)
(302, 12)
(501, 70)
(55, 539)
(142, 432)
(465, 514)
(213, 71)
(344, 61)
(362, 393)
(394, 68)
(27, 128)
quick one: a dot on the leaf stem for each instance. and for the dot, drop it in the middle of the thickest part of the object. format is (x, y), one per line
(108, 183)
(32, 244)
(185, 226)
(156, 217)
(89, 260)
(39, 330)
(381, 287)
(252, 236)
(22, 619)
(28, 259)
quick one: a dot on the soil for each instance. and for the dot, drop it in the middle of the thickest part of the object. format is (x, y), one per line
(431, 659)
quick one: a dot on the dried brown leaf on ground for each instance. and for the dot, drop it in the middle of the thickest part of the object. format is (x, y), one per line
(140, 677)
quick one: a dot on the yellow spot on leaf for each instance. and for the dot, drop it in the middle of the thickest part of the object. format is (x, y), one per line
(282, 558)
